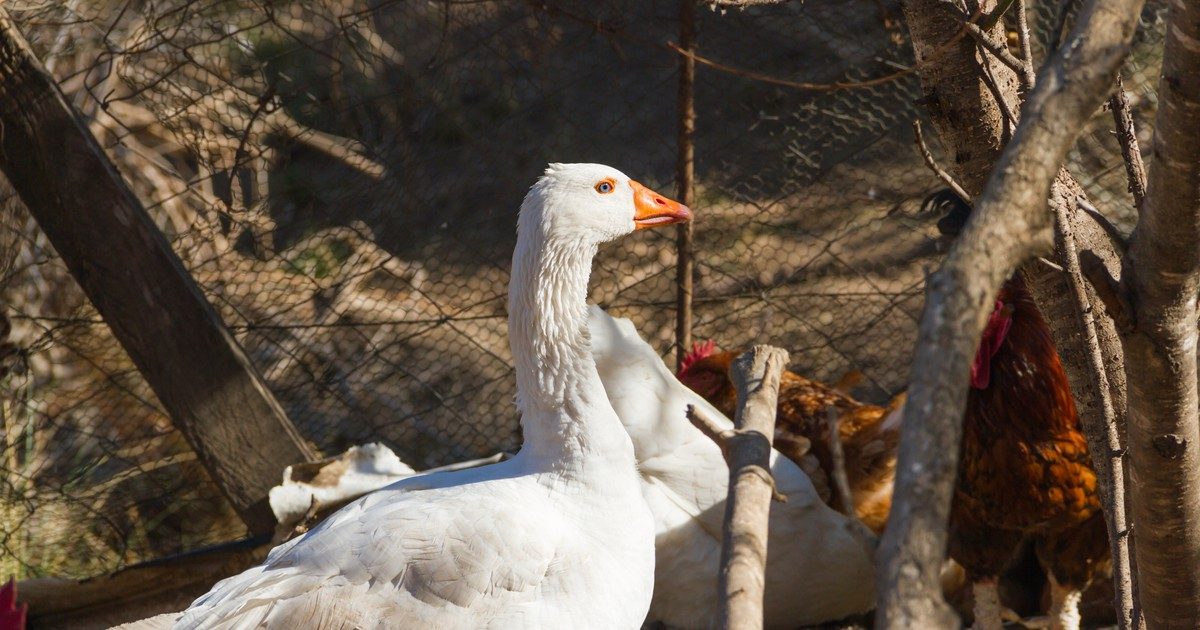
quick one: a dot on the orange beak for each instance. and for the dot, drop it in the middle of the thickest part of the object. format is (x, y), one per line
(653, 210)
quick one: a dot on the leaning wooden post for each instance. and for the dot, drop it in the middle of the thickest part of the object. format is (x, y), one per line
(756, 375)
(127, 269)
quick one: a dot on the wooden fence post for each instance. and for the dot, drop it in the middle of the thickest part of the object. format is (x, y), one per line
(685, 171)
(127, 269)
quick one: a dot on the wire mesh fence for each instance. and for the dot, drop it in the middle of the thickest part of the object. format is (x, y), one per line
(342, 179)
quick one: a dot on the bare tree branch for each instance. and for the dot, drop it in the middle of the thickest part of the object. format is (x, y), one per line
(841, 481)
(756, 375)
(742, 4)
(1161, 350)
(1135, 171)
(1027, 72)
(1107, 453)
(946, 178)
(1000, 51)
(1010, 225)
(710, 428)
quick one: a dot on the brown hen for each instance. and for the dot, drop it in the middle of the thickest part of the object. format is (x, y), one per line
(1025, 471)
(869, 433)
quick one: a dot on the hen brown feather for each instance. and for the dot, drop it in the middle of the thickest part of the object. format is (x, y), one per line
(1025, 470)
(801, 419)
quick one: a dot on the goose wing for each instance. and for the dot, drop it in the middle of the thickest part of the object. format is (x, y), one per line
(410, 555)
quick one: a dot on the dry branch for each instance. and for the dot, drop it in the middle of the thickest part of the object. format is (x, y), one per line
(742, 4)
(1027, 72)
(139, 591)
(1107, 453)
(946, 178)
(1009, 226)
(756, 375)
(1131, 153)
(837, 455)
(711, 429)
(1000, 51)
(1161, 366)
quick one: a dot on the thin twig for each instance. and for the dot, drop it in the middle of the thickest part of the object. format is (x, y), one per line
(1111, 459)
(1026, 48)
(1010, 116)
(999, 50)
(1049, 263)
(799, 85)
(933, 165)
(710, 428)
(1131, 153)
(841, 481)
(742, 4)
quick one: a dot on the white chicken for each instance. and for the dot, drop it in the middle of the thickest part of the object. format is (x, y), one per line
(819, 566)
(819, 569)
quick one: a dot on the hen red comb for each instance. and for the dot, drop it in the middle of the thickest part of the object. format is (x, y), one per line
(12, 616)
(698, 351)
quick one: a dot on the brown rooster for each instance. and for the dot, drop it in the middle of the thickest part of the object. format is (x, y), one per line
(869, 434)
(1025, 471)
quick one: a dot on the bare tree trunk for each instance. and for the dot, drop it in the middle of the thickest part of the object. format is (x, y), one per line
(1164, 428)
(1011, 224)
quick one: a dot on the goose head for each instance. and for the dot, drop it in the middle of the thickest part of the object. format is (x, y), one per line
(595, 203)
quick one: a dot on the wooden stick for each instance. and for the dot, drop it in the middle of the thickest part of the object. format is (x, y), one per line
(999, 51)
(756, 375)
(933, 165)
(1131, 153)
(1105, 441)
(841, 481)
(1028, 76)
(709, 427)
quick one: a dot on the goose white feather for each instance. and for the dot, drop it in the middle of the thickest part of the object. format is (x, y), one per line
(557, 537)
(818, 567)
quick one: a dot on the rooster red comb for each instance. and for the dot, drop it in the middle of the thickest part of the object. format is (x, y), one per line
(698, 352)
(12, 617)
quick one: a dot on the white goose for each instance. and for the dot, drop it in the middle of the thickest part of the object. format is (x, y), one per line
(818, 568)
(557, 537)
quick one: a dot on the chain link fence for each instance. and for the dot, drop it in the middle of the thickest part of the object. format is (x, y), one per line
(342, 179)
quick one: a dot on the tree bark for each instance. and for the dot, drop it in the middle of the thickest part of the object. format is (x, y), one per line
(1106, 455)
(1011, 224)
(970, 121)
(127, 269)
(756, 375)
(1164, 257)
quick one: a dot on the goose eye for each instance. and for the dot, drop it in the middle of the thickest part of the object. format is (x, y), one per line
(605, 186)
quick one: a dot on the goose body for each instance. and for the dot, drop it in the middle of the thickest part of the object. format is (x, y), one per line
(819, 568)
(557, 537)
